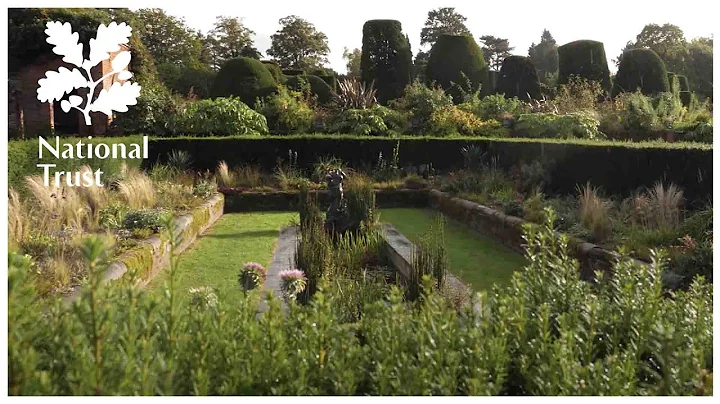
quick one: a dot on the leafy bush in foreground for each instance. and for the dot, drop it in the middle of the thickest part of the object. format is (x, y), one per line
(548, 333)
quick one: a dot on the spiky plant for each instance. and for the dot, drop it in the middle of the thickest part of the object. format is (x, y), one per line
(252, 275)
(594, 211)
(665, 203)
(292, 283)
(226, 178)
(354, 94)
(180, 159)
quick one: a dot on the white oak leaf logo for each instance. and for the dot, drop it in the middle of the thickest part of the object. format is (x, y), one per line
(108, 40)
(117, 98)
(57, 84)
(65, 41)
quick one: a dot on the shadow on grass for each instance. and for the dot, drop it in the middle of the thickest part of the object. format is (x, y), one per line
(245, 234)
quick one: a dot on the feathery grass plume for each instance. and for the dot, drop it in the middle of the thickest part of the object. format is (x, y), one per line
(95, 197)
(292, 283)
(666, 203)
(46, 197)
(137, 190)
(248, 176)
(18, 223)
(73, 210)
(593, 212)
(226, 178)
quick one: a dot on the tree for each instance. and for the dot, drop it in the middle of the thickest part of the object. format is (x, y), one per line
(700, 66)
(229, 39)
(641, 69)
(168, 38)
(298, 44)
(386, 58)
(456, 63)
(544, 56)
(667, 40)
(444, 20)
(495, 50)
(353, 61)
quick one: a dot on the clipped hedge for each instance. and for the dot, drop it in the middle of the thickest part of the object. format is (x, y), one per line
(619, 168)
(641, 69)
(586, 59)
(318, 86)
(450, 58)
(518, 78)
(275, 70)
(684, 89)
(246, 78)
(23, 158)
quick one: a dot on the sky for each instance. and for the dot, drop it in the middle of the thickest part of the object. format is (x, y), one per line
(610, 21)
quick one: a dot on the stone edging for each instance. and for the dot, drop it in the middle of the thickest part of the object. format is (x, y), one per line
(509, 230)
(151, 255)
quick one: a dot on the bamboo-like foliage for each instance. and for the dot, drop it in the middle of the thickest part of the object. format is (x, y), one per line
(429, 259)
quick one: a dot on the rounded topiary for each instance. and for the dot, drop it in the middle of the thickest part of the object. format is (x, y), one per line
(386, 58)
(585, 59)
(491, 83)
(518, 78)
(684, 89)
(450, 58)
(671, 79)
(245, 78)
(275, 70)
(641, 69)
(317, 86)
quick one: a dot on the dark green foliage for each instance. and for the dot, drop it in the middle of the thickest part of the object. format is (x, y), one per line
(331, 80)
(518, 78)
(246, 78)
(293, 72)
(490, 87)
(151, 219)
(641, 69)
(386, 58)
(606, 164)
(685, 96)
(318, 86)
(222, 116)
(671, 77)
(275, 70)
(187, 80)
(453, 60)
(586, 59)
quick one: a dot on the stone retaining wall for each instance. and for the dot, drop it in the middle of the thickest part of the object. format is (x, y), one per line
(152, 255)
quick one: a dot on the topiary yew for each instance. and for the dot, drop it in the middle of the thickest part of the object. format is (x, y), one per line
(641, 69)
(318, 86)
(684, 89)
(386, 58)
(245, 78)
(518, 78)
(275, 70)
(586, 59)
(450, 58)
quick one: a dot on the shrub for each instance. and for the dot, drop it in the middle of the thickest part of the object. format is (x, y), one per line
(152, 114)
(351, 93)
(187, 81)
(641, 69)
(585, 59)
(452, 60)
(275, 71)
(685, 95)
(245, 78)
(578, 94)
(317, 86)
(386, 58)
(496, 107)
(453, 120)
(375, 121)
(220, 117)
(574, 125)
(203, 189)
(421, 101)
(414, 181)
(518, 78)
(286, 111)
(151, 219)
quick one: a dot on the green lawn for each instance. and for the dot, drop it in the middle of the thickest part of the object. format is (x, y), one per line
(216, 257)
(477, 259)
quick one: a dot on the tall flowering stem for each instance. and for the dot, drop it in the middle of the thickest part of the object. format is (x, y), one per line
(292, 283)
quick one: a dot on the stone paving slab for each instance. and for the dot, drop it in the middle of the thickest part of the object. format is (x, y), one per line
(283, 259)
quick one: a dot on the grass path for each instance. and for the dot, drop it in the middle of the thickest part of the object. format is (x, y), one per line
(216, 257)
(477, 259)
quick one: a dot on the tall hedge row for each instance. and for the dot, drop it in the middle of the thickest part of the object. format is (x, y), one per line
(606, 166)
(243, 77)
(585, 59)
(641, 69)
(386, 58)
(518, 78)
(450, 58)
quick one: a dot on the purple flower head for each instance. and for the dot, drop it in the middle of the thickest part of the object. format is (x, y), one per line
(292, 275)
(254, 267)
(252, 275)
